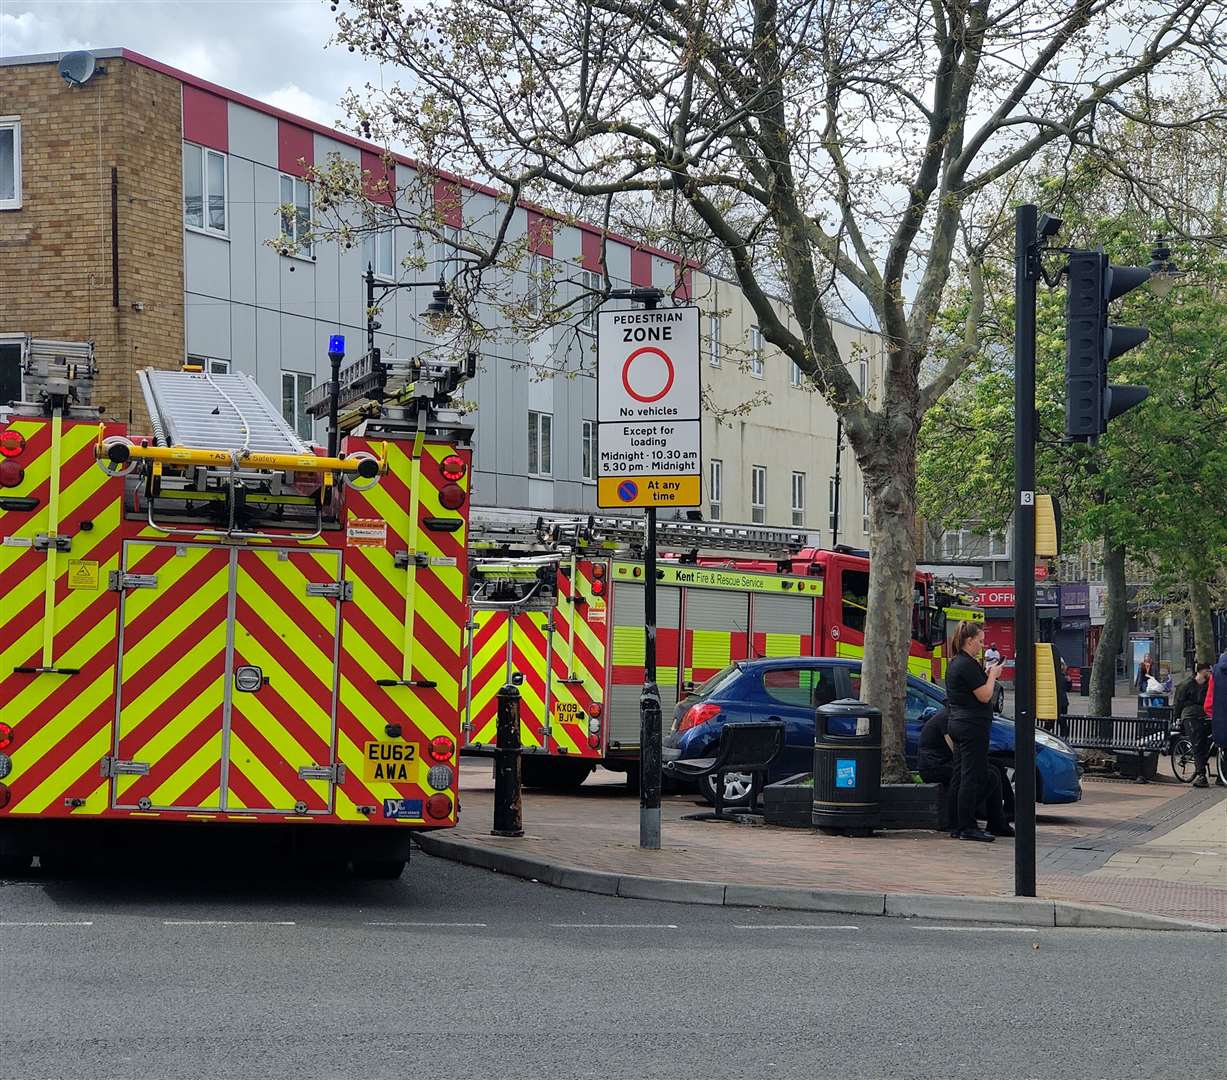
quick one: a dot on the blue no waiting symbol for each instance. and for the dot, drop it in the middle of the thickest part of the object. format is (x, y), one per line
(628, 490)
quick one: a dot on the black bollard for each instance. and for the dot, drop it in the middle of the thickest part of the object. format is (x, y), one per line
(508, 810)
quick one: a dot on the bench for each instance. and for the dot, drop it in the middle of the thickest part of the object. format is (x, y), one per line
(1138, 739)
(743, 748)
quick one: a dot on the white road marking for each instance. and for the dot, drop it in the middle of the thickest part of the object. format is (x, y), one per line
(7, 925)
(226, 922)
(786, 926)
(474, 925)
(984, 929)
(612, 926)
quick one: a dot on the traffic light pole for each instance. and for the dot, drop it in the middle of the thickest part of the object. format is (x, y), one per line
(1026, 278)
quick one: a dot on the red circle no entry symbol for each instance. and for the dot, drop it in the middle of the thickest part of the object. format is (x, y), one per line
(647, 375)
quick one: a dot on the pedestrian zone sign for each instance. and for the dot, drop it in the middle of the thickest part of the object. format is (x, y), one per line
(648, 445)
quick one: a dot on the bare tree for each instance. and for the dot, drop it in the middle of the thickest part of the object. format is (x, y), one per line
(818, 145)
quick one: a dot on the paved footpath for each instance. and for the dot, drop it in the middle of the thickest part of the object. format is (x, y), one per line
(1158, 848)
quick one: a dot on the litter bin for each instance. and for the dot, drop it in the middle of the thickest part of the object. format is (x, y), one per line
(848, 768)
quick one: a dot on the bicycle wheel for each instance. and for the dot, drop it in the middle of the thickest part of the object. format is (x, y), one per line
(1222, 766)
(1183, 764)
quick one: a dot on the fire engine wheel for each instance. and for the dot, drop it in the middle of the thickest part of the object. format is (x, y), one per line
(736, 789)
(552, 773)
(379, 869)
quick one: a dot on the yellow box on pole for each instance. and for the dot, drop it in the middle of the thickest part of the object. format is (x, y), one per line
(1045, 682)
(1047, 540)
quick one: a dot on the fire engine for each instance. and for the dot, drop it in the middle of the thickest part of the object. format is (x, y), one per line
(557, 605)
(218, 623)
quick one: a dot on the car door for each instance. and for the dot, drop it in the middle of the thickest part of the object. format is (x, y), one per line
(791, 693)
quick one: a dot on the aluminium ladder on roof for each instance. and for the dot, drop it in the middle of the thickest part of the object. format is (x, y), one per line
(215, 412)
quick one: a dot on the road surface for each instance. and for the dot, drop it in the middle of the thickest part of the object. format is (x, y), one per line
(454, 972)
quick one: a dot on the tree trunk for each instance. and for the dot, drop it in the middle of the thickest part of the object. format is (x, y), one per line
(1203, 629)
(1103, 676)
(891, 482)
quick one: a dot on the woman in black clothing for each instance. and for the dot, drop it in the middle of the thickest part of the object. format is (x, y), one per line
(969, 696)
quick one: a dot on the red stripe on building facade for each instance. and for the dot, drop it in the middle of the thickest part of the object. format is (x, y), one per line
(295, 145)
(205, 119)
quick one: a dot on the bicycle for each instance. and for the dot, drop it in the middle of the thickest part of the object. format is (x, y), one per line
(1184, 765)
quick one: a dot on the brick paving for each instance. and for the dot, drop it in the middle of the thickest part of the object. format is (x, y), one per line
(1159, 848)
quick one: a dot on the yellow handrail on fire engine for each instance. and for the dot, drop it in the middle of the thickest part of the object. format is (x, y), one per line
(119, 453)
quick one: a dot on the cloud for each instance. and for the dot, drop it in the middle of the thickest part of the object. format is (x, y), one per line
(273, 50)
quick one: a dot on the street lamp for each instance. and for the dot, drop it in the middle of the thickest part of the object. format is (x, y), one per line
(1163, 272)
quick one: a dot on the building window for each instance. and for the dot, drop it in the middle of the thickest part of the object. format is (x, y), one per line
(212, 364)
(713, 340)
(798, 499)
(716, 487)
(862, 375)
(998, 546)
(536, 286)
(10, 371)
(296, 212)
(377, 252)
(832, 507)
(592, 283)
(10, 163)
(758, 494)
(204, 188)
(589, 449)
(795, 375)
(295, 386)
(756, 352)
(865, 512)
(540, 444)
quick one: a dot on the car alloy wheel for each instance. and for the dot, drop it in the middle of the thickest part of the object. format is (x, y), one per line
(736, 789)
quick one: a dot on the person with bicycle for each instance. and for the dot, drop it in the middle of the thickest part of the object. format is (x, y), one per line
(1188, 706)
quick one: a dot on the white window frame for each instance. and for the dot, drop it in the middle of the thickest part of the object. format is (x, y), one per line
(588, 450)
(590, 282)
(798, 499)
(998, 545)
(301, 422)
(13, 124)
(714, 345)
(18, 340)
(292, 224)
(541, 438)
(795, 375)
(757, 367)
(865, 512)
(832, 508)
(715, 488)
(758, 494)
(862, 376)
(372, 244)
(206, 194)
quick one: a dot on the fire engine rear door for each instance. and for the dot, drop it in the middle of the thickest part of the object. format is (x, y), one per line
(281, 736)
(167, 749)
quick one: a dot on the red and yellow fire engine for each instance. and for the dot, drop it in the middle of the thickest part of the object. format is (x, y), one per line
(218, 623)
(557, 605)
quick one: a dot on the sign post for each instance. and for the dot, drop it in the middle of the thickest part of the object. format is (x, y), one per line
(649, 455)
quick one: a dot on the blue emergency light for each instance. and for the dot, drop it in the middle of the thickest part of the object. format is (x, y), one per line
(336, 346)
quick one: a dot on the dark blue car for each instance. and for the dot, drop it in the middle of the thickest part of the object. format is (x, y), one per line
(789, 689)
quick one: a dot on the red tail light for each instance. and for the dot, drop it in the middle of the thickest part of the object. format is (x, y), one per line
(453, 467)
(598, 570)
(441, 748)
(598, 588)
(438, 806)
(698, 714)
(11, 474)
(595, 710)
(12, 443)
(6, 736)
(452, 496)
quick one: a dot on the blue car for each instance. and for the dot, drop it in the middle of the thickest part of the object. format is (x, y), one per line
(789, 689)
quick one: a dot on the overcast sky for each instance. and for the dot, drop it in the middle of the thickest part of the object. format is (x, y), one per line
(273, 50)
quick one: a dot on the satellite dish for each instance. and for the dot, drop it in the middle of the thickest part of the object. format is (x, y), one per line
(77, 68)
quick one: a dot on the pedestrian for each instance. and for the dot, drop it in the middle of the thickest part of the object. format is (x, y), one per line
(1216, 701)
(969, 696)
(991, 655)
(1144, 674)
(937, 764)
(1189, 706)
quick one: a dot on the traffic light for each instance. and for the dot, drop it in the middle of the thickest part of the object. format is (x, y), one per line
(1091, 342)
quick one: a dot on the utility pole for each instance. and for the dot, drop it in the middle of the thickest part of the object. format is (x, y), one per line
(1027, 242)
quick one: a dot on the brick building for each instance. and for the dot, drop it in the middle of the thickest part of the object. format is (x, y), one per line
(140, 215)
